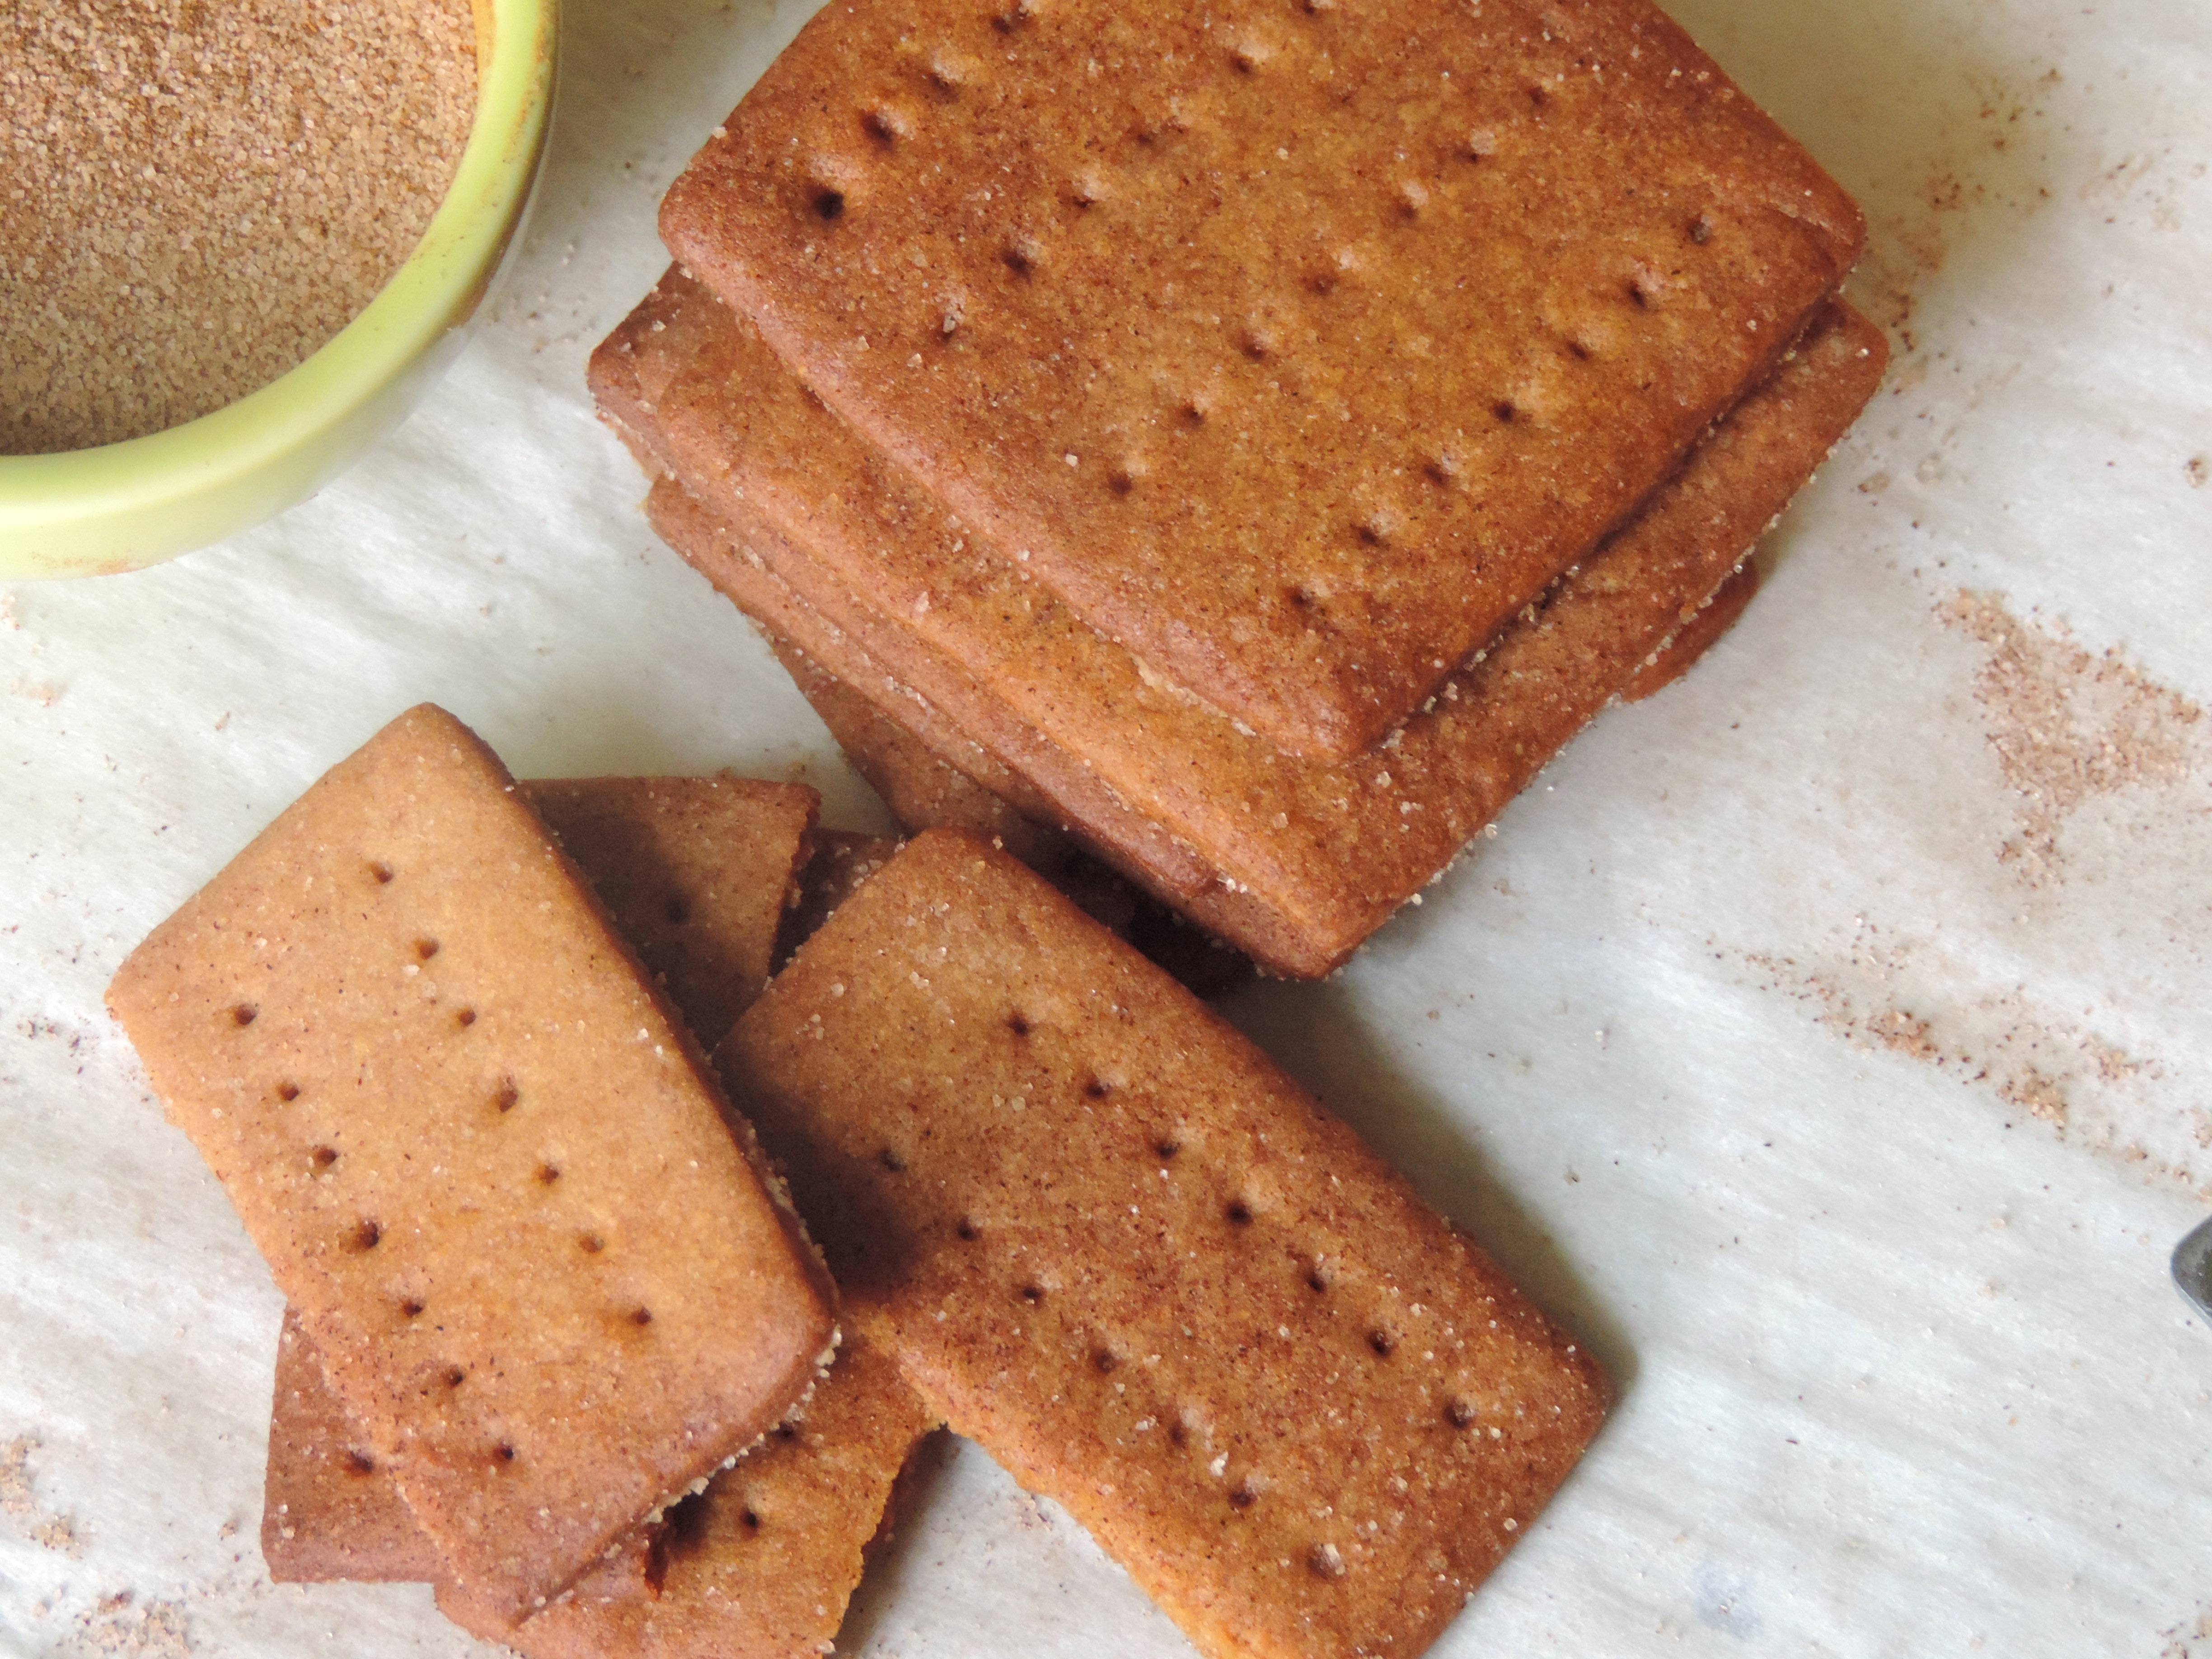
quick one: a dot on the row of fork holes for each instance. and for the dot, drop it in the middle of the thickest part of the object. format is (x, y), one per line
(359, 1462)
(1259, 346)
(1246, 55)
(367, 1235)
(886, 127)
(506, 1096)
(1022, 256)
(1381, 1342)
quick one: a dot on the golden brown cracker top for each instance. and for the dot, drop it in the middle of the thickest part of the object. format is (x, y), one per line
(1113, 1244)
(1295, 347)
(480, 1158)
(1333, 846)
(696, 872)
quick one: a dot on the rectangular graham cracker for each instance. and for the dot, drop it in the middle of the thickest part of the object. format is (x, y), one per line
(482, 1158)
(761, 1564)
(1109, 1241)
(1393, 310)
(1299, 860)
(698, 873)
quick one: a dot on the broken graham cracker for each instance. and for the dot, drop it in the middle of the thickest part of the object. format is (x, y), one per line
(1394, 309)
(761, 1564)
(696, 873)
(482, 1158)
(1109, 1241)
(1307, 858)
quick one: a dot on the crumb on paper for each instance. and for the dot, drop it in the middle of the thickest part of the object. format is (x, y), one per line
(121, 1624)
(19, 1503)
(16, 1477)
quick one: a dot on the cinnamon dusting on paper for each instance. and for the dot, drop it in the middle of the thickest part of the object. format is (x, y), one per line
(1985, 149)
(2190, 1639)
(1903, 997)
(2067, 726)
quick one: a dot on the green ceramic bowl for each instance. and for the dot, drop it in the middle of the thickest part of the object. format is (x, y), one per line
(126, 505)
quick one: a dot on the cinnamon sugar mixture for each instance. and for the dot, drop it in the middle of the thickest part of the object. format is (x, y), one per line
(2067, 726)
(196, 194)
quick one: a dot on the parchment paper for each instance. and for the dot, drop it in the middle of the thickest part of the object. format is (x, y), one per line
(1825, 1040)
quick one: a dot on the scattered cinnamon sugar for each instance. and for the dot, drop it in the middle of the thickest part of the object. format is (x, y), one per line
(1906, 995)
(2065, 725)
(196, 194)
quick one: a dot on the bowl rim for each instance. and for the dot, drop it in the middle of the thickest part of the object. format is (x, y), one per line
(437, 285)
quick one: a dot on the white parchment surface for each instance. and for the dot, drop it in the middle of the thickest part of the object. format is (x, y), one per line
(1826, 1040)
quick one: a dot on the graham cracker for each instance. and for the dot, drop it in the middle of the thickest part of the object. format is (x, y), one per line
(761, 1564)
(1297, 860)
(1393, 310)
(696, 873)
(1109, 1241)
(482, 1159)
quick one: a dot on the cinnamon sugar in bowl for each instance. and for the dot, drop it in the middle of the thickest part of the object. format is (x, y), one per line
(238, 240)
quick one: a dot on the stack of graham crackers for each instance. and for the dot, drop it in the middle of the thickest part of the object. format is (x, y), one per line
(1250, 438)
(559, 1341)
